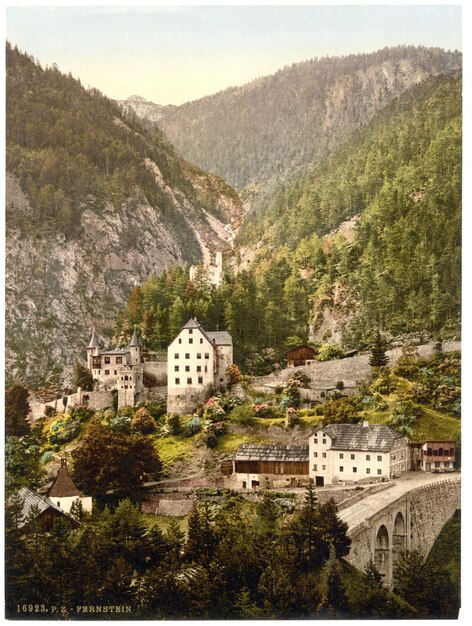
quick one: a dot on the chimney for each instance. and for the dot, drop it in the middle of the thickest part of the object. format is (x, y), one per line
(365, 424)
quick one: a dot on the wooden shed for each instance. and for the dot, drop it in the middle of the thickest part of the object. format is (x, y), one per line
(272, 461)
(300, 355)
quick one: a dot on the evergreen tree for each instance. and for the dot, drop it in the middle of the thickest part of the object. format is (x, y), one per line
(83, 377)
(378, 357)
(16, 410)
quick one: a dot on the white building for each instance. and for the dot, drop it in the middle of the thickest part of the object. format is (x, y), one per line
(197, 361)
(357, 453)
(63, 491)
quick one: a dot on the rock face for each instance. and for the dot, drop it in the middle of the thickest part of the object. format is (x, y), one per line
(58, 288)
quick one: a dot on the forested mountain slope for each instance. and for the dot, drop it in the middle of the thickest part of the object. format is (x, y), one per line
(263, 131)
(395, 265)
(96, 201)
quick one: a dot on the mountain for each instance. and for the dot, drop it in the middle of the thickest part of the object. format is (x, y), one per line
(265, 130)
(370, 237)
(97, 201)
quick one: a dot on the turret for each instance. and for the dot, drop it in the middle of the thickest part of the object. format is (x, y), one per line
(92, 349)
(134, 349)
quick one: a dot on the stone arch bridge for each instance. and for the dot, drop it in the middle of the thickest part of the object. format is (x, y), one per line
(407, 515)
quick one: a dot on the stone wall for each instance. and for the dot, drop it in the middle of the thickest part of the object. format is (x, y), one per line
(430, 508)
(158, 369)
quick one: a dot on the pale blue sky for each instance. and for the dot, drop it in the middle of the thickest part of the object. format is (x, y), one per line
(175, 54)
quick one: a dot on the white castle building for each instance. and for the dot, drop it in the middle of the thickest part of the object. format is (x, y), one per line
(197, 361)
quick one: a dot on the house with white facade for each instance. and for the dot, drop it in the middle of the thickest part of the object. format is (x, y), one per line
(197, 361)
(357, 453)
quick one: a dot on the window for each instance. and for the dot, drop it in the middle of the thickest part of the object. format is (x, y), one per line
(367, 457)
(324, 455)
(187, 355)
(107, 372)
(367, 471)
(437, 463)
(207, 355)
(176, 368)
(353, 456)
(199, 368)
(379, 457)
(446, 463)
(180, 340)
(341, 468)
(190, 340)
(315, 454)
(107, 360)
(189, 381)
(354, 470)
(176, 355)
(315, 468)
(341, 455)
(324, 440)
(187, 368)
(379, 472)
(200, 380)
(119, 360)
(206, 368)
(177, 381)
(190, 331)
(116, 372)
(201, 340)
(324, 467)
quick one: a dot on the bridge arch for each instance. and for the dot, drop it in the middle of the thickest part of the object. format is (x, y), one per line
(399, 540)
(382, 551)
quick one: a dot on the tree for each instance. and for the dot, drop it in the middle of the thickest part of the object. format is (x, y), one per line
(16, 409)
(143, 421)
(83, 377)
(111, 460)
(378, 357)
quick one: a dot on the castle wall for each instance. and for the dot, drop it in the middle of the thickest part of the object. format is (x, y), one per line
(158, 369)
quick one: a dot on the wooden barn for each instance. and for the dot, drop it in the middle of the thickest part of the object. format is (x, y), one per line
(42, 510)
(301, 355)
(271, 465)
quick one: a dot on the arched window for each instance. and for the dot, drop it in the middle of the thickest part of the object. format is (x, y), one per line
(441, 452)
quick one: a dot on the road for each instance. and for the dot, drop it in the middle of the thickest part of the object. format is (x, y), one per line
(365, 508)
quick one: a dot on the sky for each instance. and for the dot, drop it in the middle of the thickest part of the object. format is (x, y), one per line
(173, 54)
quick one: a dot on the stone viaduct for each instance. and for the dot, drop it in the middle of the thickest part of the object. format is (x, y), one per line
(407, 515)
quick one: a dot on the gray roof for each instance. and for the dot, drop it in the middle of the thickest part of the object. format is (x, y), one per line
(93, 340)
(221, 337)
(134, 339)
(369, 437)
(192, 323)
(33, 501)
(271, 452)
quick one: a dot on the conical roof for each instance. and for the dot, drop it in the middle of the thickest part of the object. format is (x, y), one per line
(93, 340)
(63, 486)
(134, 339)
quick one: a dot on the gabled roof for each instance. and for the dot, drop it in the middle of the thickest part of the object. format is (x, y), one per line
(93, 340)
(33, 501)
(192, 323)
(303, 345)
(63, 486)
(272, 452)
(221, 337)
(109, 352)
(368, 437)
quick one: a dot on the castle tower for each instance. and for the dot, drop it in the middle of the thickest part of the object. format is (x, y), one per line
(92, 349)
(134, 349)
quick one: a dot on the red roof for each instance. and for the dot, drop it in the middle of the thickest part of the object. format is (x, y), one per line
(63, 486)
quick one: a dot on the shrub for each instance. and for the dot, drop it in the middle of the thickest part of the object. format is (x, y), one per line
(303, 378)
(243, 414)
(340, 411)
(278, 389)
(49, 411)
(121, 424)
(142, 421)
(173, 424)
(69, 430)
(291, 417)
(211, 433)
(81, 413)
(339, 385)
(261, 409)
(234, 374)
(195, 425)
(384, 383)
(328, 352)
(212, 410)
(156, 409)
